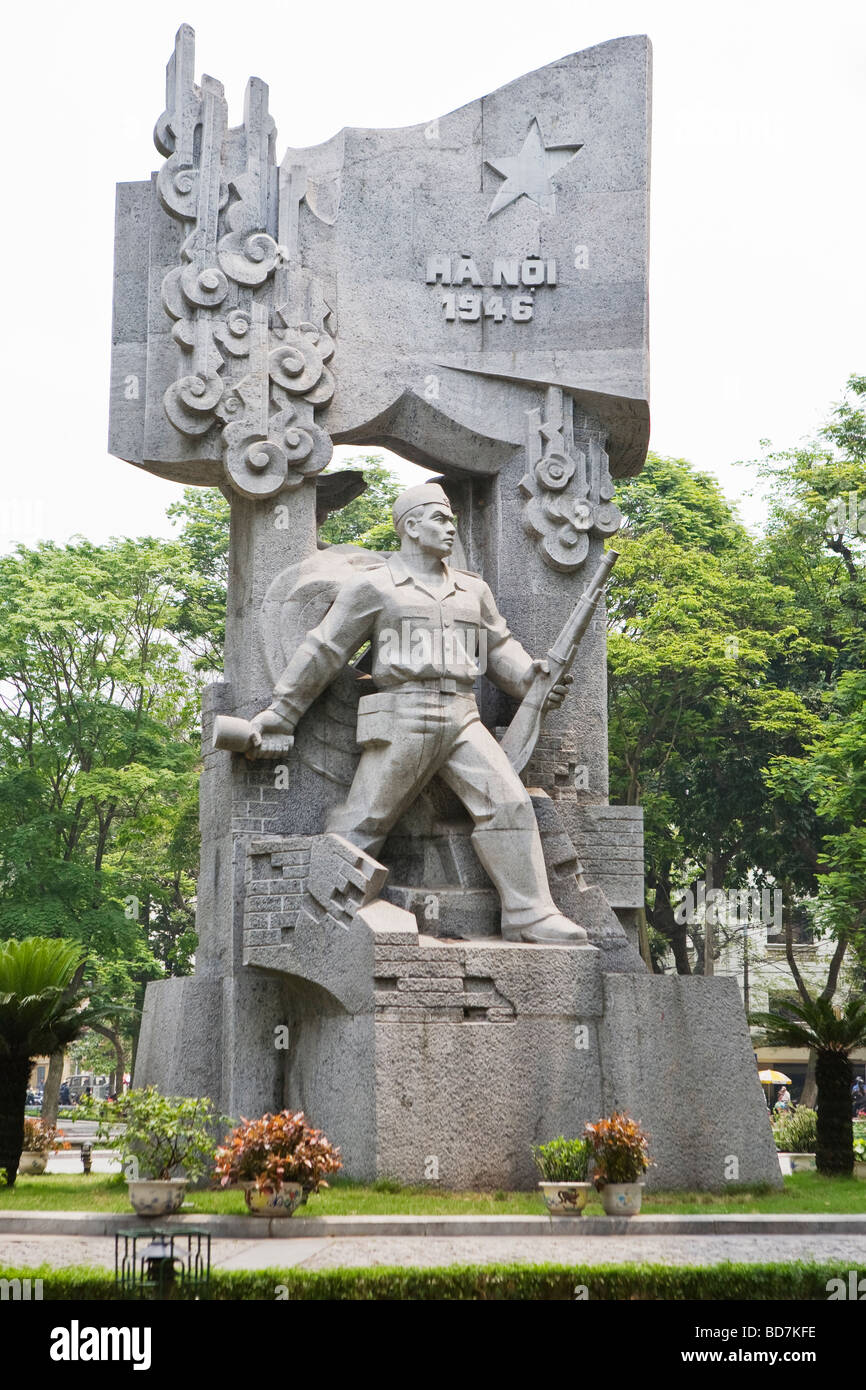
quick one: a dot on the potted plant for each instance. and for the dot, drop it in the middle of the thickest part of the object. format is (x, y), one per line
(278, 1160)
(795, 1133)
(40, 1139)
(160, 1137)
(859, 1154)
(564, 1168)
(620, 1149)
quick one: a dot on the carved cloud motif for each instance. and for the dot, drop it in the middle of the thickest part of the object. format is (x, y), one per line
(252, 364)
(567, 485)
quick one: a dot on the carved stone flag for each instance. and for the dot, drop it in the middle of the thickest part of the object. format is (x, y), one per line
(458, 291)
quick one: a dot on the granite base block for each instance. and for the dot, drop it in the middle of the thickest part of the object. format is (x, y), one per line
(443, 1062)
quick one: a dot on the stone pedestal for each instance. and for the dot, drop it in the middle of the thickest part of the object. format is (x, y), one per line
(428, 1059)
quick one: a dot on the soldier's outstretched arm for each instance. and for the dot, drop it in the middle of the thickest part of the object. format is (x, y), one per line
(323, 654)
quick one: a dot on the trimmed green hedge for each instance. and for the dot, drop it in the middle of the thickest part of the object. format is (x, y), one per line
(512, 1282)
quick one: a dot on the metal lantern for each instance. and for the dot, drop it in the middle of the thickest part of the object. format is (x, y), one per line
(162, 1264)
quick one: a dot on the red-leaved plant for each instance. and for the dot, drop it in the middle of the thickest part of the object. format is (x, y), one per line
(620, 1149)
(42, 1138)
(274, 1150)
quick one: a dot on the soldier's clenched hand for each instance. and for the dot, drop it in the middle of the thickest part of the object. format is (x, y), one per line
(559, 691)
(268, 722)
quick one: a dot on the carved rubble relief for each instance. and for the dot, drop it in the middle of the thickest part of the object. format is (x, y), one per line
(567, 485)
(318, 880)
(251, 363)
(322, 881)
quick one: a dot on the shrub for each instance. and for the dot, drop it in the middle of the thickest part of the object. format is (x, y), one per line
(274, 1150)
(162, 1134)
(620, 1149)
(479, 1283)
(562, 1160)
(796, 1132)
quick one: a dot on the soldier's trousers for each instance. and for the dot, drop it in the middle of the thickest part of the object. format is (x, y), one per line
(413, 735)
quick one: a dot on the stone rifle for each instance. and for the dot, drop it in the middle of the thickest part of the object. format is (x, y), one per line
(521, 736)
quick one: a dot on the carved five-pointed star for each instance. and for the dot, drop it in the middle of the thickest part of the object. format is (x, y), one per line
(529, 173)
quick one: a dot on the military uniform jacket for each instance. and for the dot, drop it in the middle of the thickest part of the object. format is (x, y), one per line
(416, 634)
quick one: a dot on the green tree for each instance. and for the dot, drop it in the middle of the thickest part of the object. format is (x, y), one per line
(98, 746)
(699, 645)
(199, 620)
(831, 775)
(815, 542)
(815, 546)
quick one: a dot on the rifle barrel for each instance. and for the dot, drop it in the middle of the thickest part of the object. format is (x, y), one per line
(521, 736)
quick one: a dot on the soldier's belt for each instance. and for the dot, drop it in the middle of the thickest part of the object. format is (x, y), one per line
(437, 685)
(377, 714)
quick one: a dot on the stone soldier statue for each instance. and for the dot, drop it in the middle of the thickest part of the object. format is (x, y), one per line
(432, 629)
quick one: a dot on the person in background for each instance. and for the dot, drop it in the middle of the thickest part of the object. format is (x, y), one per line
(783, 1099)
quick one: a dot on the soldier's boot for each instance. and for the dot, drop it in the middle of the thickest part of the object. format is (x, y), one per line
(555, 931)
(514, 860)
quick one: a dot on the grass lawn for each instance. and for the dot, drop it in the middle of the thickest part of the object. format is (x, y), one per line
(803, 1193)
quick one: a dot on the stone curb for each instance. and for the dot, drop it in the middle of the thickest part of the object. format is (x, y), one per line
(70, 1223)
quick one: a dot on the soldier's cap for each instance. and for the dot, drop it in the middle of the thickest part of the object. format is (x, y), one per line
(418, 496)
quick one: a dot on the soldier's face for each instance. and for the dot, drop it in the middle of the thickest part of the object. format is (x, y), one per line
(433, 529)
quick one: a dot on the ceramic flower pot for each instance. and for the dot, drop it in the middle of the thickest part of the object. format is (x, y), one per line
(31, 1163)
(565, 1198)
(860, 1168)
(622, 1198)
(282, 1203)
(150, 1197)
(802, 1163)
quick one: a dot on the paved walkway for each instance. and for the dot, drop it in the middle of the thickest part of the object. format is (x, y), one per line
(334, 1252)
(69, 1161)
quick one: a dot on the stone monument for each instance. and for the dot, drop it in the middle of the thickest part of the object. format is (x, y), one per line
(434, 958)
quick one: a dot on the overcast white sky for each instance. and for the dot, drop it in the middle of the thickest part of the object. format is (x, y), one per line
(758, 287)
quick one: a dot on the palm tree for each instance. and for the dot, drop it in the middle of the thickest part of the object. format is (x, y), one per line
(814, 1024)
(41, 1011)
